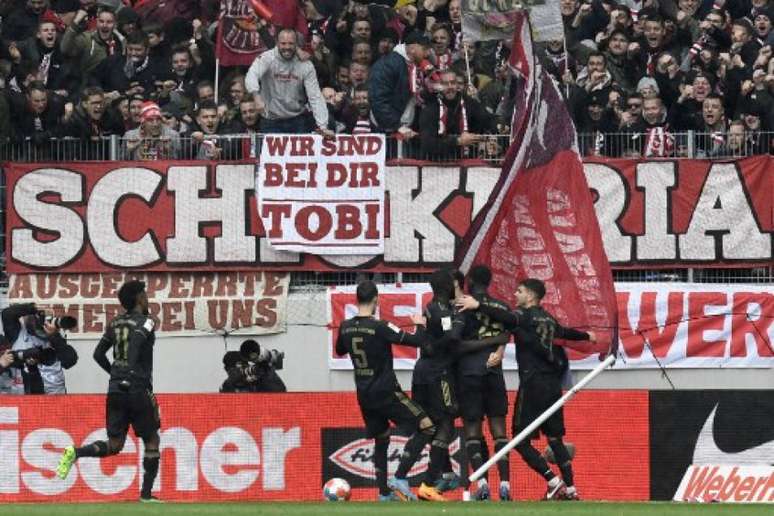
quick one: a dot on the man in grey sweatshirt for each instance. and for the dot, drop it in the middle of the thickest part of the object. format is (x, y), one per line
(282, 85)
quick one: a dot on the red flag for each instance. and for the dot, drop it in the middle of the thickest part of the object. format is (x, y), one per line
(540, 222)
(238, 41)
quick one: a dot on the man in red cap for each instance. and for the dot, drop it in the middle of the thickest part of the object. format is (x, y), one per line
(152, 140)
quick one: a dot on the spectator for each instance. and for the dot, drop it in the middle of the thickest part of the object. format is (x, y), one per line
(623, 70)
(93, 47)
(357, 113)
(711, 134)
(38, 121)
(92, 125)
(152, 140)
(737, 143)
(361, 52)
(135, 110)
(282, 84)
(440, 53)
(386, 42)
(202, 133)
(23, 21)
(449, 127)
(234, 93)
(172, 117)
(136, 72)
(42, 50)
(127, 21)
(395, 84)
(652, 134)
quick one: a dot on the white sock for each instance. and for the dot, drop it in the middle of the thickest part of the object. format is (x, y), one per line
(571, 490)
(554, 482)
(482, 482)
(505, 483)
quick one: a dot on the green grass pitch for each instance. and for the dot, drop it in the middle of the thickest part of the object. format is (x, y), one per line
(392, 509)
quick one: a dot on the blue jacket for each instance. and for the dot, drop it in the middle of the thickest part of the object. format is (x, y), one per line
(388, 90)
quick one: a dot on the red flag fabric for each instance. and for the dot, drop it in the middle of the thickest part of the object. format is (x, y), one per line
(540, 221)
(238, 41)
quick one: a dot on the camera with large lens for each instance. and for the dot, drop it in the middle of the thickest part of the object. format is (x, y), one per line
(65, 322)
(262, 357)
(33, 353)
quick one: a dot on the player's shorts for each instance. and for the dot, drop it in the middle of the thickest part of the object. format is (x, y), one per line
(401, 410)
(139, 409)
(535, 397)
(483, 395)
(436, 397)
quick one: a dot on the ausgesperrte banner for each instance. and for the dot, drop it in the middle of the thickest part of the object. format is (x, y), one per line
(182, 304)
(193, 216)
(676, 325)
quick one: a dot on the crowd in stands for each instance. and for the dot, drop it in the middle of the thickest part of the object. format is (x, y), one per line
(641, 77)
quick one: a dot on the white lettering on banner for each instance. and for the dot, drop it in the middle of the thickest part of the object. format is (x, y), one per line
(727, 483)
(104, 203)
(322, 196)
(48, 217)
(233, 245)
(610, 206)
(90, 468)
(661, 324)
(228, 460)
(656, 215)
(656, 244)
(247, 303)
(717, 216)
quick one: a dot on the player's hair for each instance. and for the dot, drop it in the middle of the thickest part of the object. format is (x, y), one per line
(536, 286)
(366, 292)
(442, 284)
(230, 359)
(127, 294)
(480, 275)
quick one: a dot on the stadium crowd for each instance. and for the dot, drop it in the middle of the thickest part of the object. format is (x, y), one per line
(641, 77)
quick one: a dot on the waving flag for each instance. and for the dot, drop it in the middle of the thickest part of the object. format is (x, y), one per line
(483, 20)
(540, 222)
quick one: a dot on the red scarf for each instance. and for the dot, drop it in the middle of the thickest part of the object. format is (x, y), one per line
(443, 122)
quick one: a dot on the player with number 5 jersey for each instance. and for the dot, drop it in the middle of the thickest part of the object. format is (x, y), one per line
(368, 341)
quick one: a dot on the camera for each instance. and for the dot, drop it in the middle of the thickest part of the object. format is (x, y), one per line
(65, 322)
(252, 352)
(23, 355)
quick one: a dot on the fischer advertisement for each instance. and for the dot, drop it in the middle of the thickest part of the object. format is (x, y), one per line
(192, 216)
(182, 304)
(672, 324)
(247, 447)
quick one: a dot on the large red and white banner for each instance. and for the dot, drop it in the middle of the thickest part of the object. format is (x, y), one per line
(194, 216)
(182, 304)
(322, 196)
(685, 212)
(247, 447)
(661, 324)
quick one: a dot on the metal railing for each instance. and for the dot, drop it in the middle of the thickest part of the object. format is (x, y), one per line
(232, 147)
(489, 151)
(688, 144)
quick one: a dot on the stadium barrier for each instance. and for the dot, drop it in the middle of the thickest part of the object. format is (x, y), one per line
(248, 447)
(631, 445)
(491, 149)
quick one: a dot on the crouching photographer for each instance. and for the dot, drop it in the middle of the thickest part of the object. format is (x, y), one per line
(39, 351)
(252, 369)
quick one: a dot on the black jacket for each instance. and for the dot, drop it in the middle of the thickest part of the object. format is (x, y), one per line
(444, 146)
(388, 91)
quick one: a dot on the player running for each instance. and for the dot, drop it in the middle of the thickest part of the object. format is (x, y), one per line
(542, 364)
(368, 341)
(130, 398)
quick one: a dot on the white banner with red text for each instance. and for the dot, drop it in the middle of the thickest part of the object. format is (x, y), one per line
(676, 325)
(194, 216)
(322, 196)
(182, 304)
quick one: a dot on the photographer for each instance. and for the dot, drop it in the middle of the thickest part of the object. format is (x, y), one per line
(253, 370)
(40, 352)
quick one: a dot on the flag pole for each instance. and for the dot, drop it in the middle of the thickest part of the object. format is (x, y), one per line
(217, 78)
(467, 60)
(541, 418)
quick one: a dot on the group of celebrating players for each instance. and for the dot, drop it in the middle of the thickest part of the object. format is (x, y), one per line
(461, 340)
